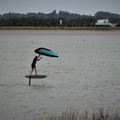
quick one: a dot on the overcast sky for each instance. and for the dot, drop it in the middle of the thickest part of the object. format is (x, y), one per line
(87, 7)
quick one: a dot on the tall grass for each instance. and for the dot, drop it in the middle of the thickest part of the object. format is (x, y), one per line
(100, 115)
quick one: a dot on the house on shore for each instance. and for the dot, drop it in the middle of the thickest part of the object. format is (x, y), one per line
(104, 24)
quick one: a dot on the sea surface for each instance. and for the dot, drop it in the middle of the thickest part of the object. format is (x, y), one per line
(85, 77)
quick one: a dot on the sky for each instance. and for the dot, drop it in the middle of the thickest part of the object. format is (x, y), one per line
(82, 7)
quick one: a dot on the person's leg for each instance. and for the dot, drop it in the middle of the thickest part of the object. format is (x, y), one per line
(31, 72)
(33, 68)
(35, 71)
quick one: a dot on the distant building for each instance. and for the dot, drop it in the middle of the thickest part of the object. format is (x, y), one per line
(104, 24)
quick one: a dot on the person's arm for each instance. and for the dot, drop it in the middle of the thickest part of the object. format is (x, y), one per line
(39, 58)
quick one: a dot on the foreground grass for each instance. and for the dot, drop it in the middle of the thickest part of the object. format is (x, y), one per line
(100, 115)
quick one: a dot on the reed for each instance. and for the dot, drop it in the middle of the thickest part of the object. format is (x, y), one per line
(100, 115)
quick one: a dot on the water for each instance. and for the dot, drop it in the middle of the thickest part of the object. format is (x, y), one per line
(86, 76)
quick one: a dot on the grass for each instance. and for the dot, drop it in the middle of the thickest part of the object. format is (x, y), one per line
(100, 115)
(53, 28)
(47, 28)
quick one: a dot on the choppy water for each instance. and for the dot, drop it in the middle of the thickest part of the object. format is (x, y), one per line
(86, 76)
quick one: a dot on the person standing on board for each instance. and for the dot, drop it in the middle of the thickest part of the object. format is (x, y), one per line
(33, 65)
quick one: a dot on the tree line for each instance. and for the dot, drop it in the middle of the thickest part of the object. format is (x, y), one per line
(47, 22)
(53, 19)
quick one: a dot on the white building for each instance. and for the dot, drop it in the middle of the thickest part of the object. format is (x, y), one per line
(102, 22)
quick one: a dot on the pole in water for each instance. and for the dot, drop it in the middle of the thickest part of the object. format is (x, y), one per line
(29, 80)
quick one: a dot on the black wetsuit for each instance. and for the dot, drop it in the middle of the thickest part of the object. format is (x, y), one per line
(33, 65)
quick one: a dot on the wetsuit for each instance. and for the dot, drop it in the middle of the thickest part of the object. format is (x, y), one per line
(33, 65)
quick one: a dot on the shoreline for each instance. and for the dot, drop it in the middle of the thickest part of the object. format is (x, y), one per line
(55, 28)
